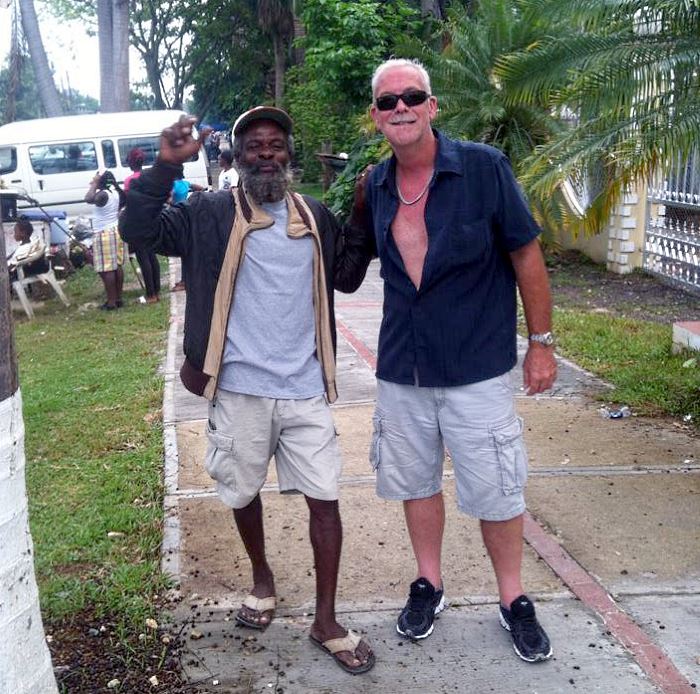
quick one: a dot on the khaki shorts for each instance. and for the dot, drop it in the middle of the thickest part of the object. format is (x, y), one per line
(245, 431)
(477, 424)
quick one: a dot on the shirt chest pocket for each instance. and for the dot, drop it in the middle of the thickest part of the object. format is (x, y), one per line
(469, 241)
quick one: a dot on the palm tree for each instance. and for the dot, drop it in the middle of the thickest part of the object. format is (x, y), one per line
(276, 19)
(20, 618)
(113, 35)
(474, 101)
(120, 44)
(44, 77)
(629, 74)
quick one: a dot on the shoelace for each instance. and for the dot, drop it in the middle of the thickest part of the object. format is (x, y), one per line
(528, 628)
(417, 602)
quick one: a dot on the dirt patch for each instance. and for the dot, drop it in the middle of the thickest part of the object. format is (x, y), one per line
(88, 654)
(579, 284)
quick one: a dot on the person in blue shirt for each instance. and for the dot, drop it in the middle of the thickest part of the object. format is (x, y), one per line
(179, 193)
(455, 239)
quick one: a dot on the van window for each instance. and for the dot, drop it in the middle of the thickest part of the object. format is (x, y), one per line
(8, 160)
(147, 143)
(63, 158)
(108, 154)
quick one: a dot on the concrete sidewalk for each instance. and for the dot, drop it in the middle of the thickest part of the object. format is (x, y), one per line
(612, 553)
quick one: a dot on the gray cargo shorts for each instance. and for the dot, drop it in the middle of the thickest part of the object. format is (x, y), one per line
(478, 425)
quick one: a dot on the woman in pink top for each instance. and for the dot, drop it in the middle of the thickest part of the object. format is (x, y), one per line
(148, 261)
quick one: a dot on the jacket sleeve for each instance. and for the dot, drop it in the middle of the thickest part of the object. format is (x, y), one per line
(146, 222)
(354, 248)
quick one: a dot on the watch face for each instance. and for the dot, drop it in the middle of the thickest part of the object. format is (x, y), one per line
(546, 339)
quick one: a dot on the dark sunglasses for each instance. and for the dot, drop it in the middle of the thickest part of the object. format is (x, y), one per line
(412, 97)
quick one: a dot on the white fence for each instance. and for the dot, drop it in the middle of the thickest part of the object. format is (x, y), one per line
(672, 239)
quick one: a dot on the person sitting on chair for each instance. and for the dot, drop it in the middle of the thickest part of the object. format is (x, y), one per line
(29, 252)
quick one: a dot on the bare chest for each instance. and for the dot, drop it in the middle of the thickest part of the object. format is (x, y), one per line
(411, 238)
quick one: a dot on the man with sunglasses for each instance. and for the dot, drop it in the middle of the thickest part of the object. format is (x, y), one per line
(455, 238)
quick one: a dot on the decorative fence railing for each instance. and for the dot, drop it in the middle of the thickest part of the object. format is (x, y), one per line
(672, 239)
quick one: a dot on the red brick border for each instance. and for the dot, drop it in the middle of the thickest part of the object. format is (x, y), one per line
(652, 659)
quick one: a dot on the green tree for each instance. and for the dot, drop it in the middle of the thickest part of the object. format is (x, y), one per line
(164, 34)
(232, 78)
(628, 72)
(22, 87)
(343, 43)
(474, 102)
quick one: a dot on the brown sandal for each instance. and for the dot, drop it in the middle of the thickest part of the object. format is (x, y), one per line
(262, 607)
(349, 643)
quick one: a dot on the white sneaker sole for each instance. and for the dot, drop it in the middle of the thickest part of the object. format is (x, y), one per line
(438, 609)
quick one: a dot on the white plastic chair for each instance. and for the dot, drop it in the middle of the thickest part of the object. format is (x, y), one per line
(48, 277)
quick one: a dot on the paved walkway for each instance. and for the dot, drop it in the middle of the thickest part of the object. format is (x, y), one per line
(612, 554)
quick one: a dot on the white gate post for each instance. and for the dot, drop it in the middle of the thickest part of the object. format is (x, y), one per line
(626, 231)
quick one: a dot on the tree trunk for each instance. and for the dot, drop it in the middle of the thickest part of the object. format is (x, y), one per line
(298, 33)
(104, 35)
(431, 8)
(25, 662)
(120, 58)
(279, 50)
(50, 99)
(150, 60)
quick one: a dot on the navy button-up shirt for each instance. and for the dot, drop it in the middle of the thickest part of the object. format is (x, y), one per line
(459, 327)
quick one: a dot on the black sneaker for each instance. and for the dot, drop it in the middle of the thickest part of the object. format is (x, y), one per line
(530, 641)
(424, 602)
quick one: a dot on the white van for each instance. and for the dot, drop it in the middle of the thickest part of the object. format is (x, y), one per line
(52, 160)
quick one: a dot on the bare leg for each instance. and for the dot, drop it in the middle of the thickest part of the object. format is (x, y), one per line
(425, 519)
(326, 532)
(249, 521)
(504, 543)
(120, 283)
(109, 280)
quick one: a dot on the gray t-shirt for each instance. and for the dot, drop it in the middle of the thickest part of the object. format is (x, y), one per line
(271, 337)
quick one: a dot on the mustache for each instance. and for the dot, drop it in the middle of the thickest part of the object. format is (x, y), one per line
(257, 167)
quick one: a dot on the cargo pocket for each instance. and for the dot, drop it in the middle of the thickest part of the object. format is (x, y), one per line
(219, 460)
(375, 446)
(512, 456)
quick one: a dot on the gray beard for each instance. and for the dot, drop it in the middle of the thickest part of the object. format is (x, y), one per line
(263, 187)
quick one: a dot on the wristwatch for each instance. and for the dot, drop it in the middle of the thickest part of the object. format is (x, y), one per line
(546, 339)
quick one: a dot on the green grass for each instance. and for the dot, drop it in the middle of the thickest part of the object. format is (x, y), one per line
(94, 446)
(634, 356)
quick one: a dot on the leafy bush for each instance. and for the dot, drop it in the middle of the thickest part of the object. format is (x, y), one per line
(366, 151)
(316, 121)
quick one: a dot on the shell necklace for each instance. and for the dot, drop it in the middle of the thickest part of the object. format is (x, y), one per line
(419, 196)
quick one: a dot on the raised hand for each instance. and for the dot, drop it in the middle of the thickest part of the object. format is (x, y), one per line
(177, 144)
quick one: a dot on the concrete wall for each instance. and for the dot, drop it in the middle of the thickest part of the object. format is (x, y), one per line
(621, 245)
